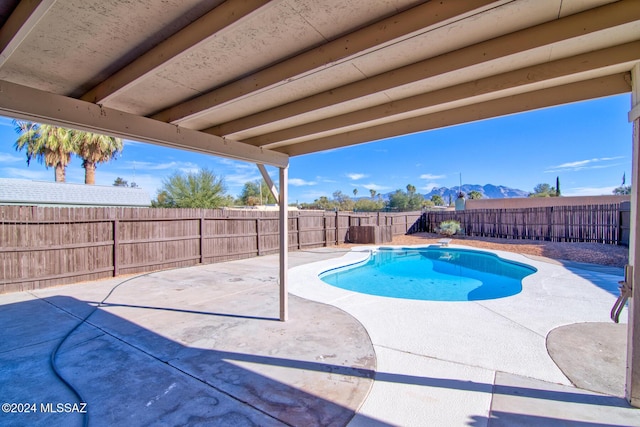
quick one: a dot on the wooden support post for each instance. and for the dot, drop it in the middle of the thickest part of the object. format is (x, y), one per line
(337, 228)
(284, 244)
(633, 329)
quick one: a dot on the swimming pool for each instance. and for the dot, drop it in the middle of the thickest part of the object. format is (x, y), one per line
(432, 273)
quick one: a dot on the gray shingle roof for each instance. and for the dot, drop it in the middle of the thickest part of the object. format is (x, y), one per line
(42, 193)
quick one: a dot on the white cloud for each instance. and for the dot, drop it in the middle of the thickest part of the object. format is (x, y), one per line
(310, 196)
(181, 166)
(584, 164)
(588, 191)
(27, 173)
(297, 182)
(429, 186)
(356, 176)
(325, 179)
(431, 176)
(374, 187)
(10, 158)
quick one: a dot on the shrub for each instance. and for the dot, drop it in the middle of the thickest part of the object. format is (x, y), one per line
(449, 228)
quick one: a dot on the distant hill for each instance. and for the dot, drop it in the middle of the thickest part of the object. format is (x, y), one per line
(488, 191)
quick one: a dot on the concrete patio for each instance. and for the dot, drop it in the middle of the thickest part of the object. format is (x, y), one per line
(202, 346)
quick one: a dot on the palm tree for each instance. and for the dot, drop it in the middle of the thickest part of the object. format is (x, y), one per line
(48, 144)
(355, 192)
(373, 193)
(95, 148)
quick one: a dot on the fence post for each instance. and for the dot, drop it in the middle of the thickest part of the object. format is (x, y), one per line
(115, 247)
(258, 237)
(202, 238)
(337, 228)
(298, 231)
(324, 227)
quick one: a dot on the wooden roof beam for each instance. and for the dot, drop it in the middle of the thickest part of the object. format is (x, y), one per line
(534, 37)
(572, 92)
(200, 31)
(349, 46)
(23, 19)
(624, 54)
(26, 103)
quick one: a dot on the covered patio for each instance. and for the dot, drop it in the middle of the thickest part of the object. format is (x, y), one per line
(201, 346)
(261, 81)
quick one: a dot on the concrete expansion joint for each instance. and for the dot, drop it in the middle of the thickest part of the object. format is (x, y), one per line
(425, 356)
(510, 320)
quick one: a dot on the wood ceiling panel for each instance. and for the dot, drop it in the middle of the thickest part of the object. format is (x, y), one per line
(305, 75)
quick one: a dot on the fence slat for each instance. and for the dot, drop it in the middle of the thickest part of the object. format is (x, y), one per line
(591, 223)
(41, 247)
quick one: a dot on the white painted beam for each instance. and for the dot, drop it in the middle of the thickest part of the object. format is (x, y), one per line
(272, 187)
(22, 102)
(23, 19)
(223, 17)
(573, 26)
(632, 389)
(284, 244)
(525, 79)
(573, 92)
(336, 51)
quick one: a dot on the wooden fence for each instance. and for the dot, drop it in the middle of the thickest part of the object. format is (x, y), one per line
(592, 223)
(41, 247)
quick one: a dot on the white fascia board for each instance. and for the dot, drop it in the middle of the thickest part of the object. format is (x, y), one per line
(26, 103)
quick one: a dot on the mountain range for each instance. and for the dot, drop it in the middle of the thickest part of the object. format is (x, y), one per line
(488, 191)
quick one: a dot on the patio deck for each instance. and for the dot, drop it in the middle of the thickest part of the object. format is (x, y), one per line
(202, 346)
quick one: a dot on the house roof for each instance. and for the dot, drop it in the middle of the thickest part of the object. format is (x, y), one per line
(41, 193)
(264, 80)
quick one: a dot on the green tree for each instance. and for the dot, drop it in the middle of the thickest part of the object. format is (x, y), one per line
(475, 195)
(323, 203)
(343, 202)
(437, 200)
(427, 204)
(355, 192)
(409, 201)
(543, 190)
(162, 200)
(256, 193)
(119, 182)
(95, 148)
(202, 189)
(369, 205)
(47, 144)
(398, 200)
(557, 186)
(622, 190)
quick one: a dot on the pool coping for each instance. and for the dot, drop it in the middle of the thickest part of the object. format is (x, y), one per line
(435, 358)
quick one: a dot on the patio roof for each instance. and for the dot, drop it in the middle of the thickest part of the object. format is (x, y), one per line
(262, 80)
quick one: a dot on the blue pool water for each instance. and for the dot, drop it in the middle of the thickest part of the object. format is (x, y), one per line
(432, 273)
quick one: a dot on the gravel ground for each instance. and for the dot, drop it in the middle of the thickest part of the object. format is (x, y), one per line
(595, 253)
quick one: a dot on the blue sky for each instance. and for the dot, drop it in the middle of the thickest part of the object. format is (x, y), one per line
(587, 144)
